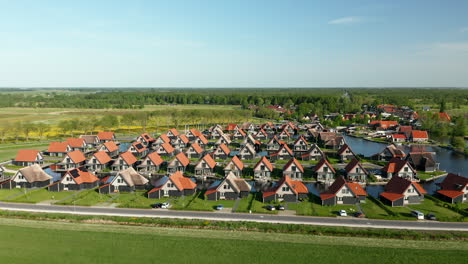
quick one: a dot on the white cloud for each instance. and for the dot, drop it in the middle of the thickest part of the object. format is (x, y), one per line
(346, 20)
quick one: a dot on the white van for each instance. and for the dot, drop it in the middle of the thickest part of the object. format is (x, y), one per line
(417, 214)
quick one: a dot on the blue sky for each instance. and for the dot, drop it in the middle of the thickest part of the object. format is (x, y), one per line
(271, 43)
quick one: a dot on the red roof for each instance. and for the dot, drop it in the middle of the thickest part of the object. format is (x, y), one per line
(105, 135)
(197, 148)
(241, 132)
(174, 131)
(419, 134)
(76, 156)
(168, 147)
(181, 182)
(239, 164)
(231, 127)
(450, 193)
(395, 165)
(76, 142)
(338, 184)
(184, 139)
(139, 147)
(84, 176)
(155, 158)
(58, 147)
(224, 148)
(296, 186)
(27, 155)
(384, 124)
(324, 162)
(444, 116)
(295, 162)
(405, 128)
(299, 139)
(128, 157)
(398, 185)
(147, 137)
(165, 138)
(111, 146)
(399, 136)
(102, 157)
(392, 196)
(209, 160)
(356, 188)
(195, 132)
(265, 162)
(182, 159)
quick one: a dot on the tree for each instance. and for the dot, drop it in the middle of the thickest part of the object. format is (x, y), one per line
(27, 129)
(442, 106)
(42, 128)
(4, 131)
(110, 121)
(458, 142)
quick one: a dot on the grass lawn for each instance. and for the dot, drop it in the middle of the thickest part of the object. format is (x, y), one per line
(429, 206)
(135, 200)
(314, 207)
(426, 175)
(244, 204)
(5, 193)
(86, 198)
(9, 151)
(60, 242)
(372, 210)
(40, 195)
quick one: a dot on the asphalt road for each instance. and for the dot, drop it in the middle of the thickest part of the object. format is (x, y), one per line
(164, 213)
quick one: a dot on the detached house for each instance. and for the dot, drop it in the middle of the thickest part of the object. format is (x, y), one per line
(284, 153)
(399, 138)
(138, 149)
(390, 152)
(99, 161)
(222, 152)
(127, 180)
(192, 134)
(248, 127)
(145, 139)
(314, 153)
(274, 145)
(454, 189)
(263, 169)
(106, 136)
(58, 149)
(73, 159)
(345, 153)
(90, 140)
(249, 140)
(230, 188)
(175, 185)
(247, 152)
(223, 139)
(173, 133)
(234, 166)
(335, 143)
(268, 127)
(77, 144)
(75, 179)
(232, 127)
(205, 166)
(284, 135)
(355, 171)
(179, 163)
(293, 169)
(216, 133)
(165, 149)
(400, 191)
(300, 146)
(261, 135)
(28, 157)
(151, 163)
(180, 142)
(201, 140)
(286, 190)
(194, 151)
(342, 192)
(239, 134)
(419, 136)
(124, 161)
(324, 170)
(29, 177)
(400, 168)
(110, 148)
(162, 139)
(423, 161)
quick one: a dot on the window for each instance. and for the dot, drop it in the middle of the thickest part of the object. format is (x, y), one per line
(344, 191)
(262, 167)
(293, 168)
(119, 180)
(170, 185)
(325, 169)
(285, 189)
(406, 169)
(357, 170)
(340, 198)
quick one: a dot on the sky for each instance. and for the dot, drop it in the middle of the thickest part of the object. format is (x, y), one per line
(233, 43)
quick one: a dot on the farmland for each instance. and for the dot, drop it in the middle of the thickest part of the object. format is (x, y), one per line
(45, 239)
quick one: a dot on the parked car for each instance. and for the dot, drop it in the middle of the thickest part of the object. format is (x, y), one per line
(342, 213)
(156, 205)
(417, 214)
(359, 215)
(431, 216)
(219, 207)
(270, 207)
(165, 205)
(281, 207)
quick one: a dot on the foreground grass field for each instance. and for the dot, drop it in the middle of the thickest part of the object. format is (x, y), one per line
(61, 242)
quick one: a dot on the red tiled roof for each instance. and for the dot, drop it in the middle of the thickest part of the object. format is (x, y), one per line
(197, 148)
(184, 139)
(102, 157)
(395, 165)
(384, 124)
(76, 156)
(399, 185)
(399, 136)
(203, 139)
(111, 146)
(209, 160)
(296, 186)
(138, 144)
(183, 159)
(147, 137)
(444, 116)
(405, 128)
(105, 135)
(27, 155)
(266, 162)
(165, 138)
(57, 147)
(239, 164)
(241, 132)
(419, 134)
(299, 139)
(195, 132)
(295, 162)
(84, 176)
(323, 162)
(155, 158)
(128, 157)
(181, 182)
(174, 131)
(391, 196)
(231, 127)
(224, 148)
(356, 189)
(419, 188)
(76, 142)
(450, 193)
(168, 147)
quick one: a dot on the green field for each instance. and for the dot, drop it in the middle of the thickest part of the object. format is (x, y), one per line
(61, 242)
(86, 198)
(40, 195)
(9, 151)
